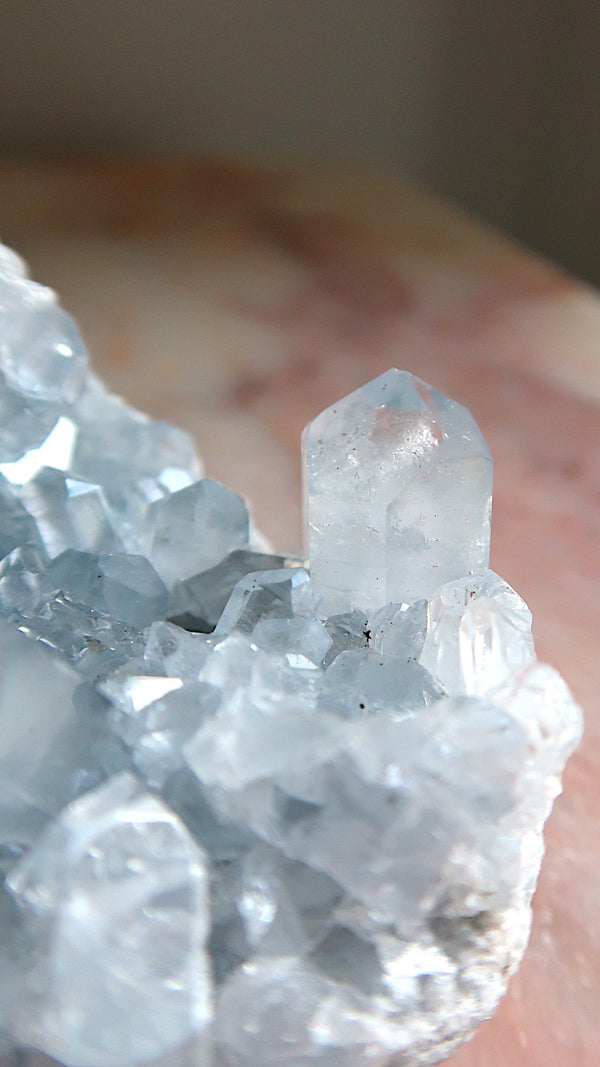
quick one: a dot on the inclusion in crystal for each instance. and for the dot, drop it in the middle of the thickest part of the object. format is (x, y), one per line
(398, 489)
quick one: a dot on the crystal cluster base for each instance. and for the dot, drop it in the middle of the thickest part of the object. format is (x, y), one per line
(253, 812)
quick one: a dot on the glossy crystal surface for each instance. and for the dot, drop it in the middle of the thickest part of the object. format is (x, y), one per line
(253, 812)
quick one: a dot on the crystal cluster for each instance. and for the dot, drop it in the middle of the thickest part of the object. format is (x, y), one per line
(252, 813)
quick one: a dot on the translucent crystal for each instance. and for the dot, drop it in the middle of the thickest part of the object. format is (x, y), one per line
(93, 641)
(303, 642)
(398, 631)
(51, 745)
(18, 527)
(194, 528)
(119, 888)
(175, 652)
(21, 579)
(277, 594)
(478, 634)
(197, 603)
(55, 450)
(398, 489)
(69, 513)
(123, 586)
(251, 811)
(115, 441)
(43, 355)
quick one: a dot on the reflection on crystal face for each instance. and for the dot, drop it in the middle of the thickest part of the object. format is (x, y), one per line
(42, 354)
(253, 812)
(55, 451)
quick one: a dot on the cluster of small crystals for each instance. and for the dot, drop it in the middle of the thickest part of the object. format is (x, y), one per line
(249, 816)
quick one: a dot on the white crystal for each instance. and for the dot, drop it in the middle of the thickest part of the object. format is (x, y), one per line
(398, 488)
(478, 634)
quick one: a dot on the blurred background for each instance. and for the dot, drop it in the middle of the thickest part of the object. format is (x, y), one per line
(493, 104)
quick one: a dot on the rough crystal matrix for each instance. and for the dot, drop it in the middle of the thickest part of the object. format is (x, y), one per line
(251, 813)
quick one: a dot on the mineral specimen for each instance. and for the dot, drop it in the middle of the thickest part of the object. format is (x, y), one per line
(398, 486)
(253, 812)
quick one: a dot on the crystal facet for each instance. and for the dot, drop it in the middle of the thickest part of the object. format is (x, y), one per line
(254, 812)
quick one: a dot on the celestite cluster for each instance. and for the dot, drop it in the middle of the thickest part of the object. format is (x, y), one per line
(249, 814)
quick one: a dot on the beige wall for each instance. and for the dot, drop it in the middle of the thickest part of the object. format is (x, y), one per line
(496, 103)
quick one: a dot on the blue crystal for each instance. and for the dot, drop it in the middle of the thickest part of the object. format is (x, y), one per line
(253, 812)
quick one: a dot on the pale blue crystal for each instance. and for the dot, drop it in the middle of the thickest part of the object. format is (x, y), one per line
(193, 529)
(69, 513)
(55, 450)
(123, 586)
(198, 602)
(24, 423)
(21, 579)
(50, 743)
(308, 830)
(398, 488)
(278, 594)
(17, 527)
(347, 631)
(120, 888)
(94, 642)
(42, 354)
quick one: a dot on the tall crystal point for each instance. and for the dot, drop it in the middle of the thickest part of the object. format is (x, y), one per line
(398, 491)
(307, 831)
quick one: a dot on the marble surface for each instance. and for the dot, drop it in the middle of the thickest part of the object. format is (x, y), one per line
(239, 301)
